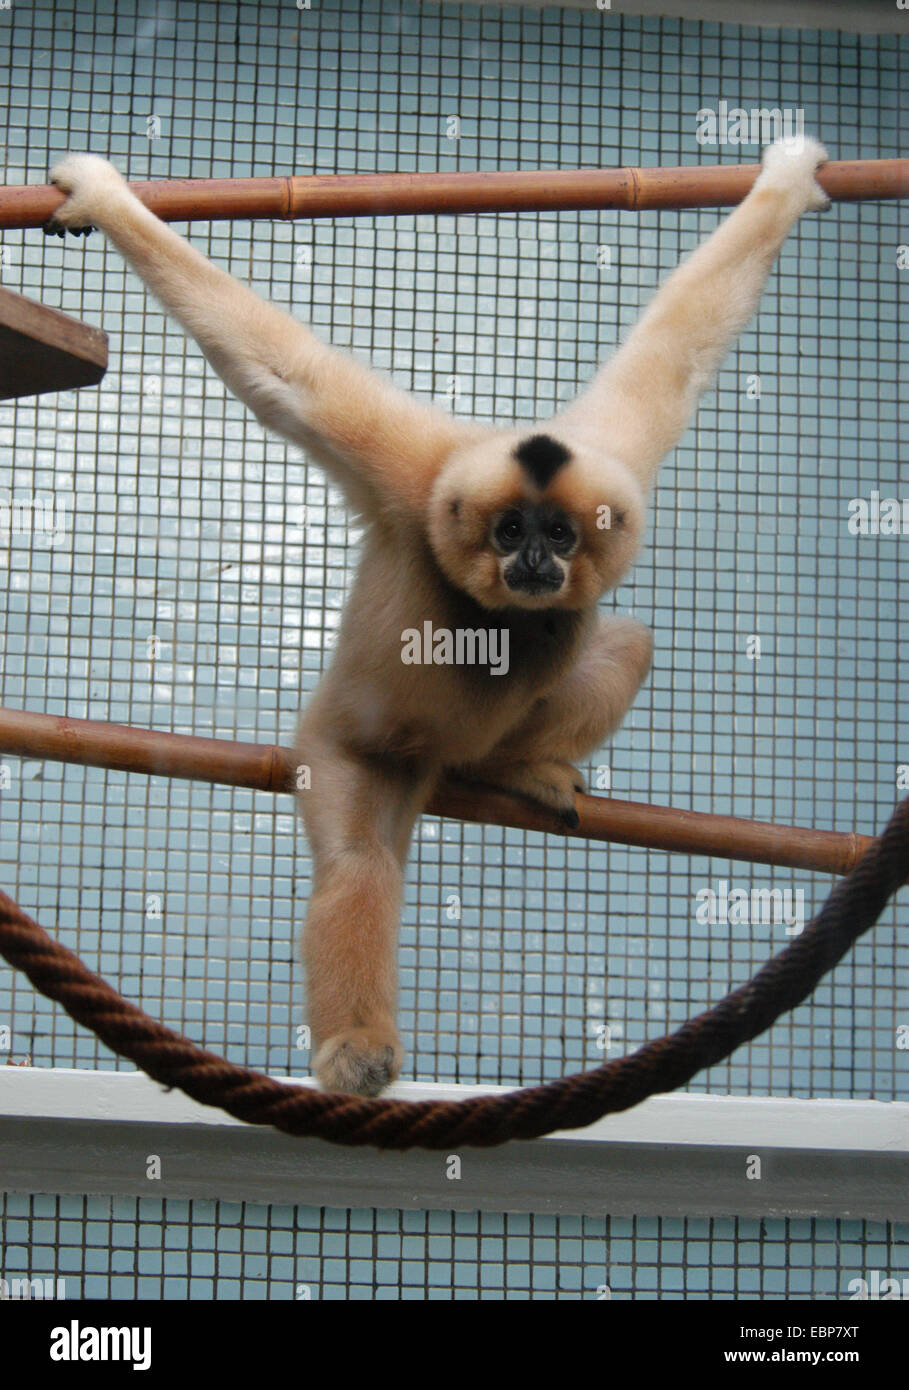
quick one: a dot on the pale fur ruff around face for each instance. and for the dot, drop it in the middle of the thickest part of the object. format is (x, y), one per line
(602, 499)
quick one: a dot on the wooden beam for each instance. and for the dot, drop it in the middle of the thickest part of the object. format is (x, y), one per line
(44, 350)
(269, 768)
(523, 190)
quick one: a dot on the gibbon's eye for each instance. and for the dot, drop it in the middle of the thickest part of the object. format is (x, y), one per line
(560, 533)
(510, 529)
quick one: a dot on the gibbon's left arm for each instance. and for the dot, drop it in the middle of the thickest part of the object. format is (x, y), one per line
(379, 443)
(639, 404)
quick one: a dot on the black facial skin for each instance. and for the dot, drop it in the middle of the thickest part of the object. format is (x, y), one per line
(536, 536)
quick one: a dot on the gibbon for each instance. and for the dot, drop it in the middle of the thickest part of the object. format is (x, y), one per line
(470, 529)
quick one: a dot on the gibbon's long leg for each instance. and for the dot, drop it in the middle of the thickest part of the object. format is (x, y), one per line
(640, 402)
(537, 757)
(381, 445)
(359, 816)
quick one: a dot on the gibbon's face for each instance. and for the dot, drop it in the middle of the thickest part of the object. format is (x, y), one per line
(530, 521)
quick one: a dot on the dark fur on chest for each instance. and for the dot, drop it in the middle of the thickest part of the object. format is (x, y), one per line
(539, 643)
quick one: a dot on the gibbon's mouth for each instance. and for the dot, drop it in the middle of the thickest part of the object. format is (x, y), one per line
(534, 583)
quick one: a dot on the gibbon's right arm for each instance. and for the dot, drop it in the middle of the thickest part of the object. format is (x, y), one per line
(380, 444)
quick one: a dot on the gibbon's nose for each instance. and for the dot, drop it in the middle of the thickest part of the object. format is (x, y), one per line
(534, 573)
(535, 554)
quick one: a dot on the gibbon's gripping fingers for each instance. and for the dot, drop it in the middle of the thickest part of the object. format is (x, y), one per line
(641, 401)
(537, 758)
(382, 446)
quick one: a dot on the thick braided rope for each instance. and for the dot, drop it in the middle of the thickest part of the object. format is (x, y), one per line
(662, 1065)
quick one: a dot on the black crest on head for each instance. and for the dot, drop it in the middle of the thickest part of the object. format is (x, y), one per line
(541, 458)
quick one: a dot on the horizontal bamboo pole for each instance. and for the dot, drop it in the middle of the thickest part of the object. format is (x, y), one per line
(267, 768)
(529, 190)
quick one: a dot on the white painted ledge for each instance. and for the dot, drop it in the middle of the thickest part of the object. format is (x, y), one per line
(676, 1155)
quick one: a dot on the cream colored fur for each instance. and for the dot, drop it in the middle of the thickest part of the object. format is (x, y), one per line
(377, 733)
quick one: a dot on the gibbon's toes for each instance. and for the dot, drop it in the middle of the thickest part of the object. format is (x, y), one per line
(794, 160)
(85, 178)
(551, 784)
(359, 1062)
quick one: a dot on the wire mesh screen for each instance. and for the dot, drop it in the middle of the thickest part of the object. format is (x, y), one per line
(196, 577)
(141, 1247)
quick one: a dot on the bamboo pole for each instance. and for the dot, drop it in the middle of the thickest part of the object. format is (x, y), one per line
(531, 190)
(267, 768)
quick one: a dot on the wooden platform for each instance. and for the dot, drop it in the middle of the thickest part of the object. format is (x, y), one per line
(44, 350)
